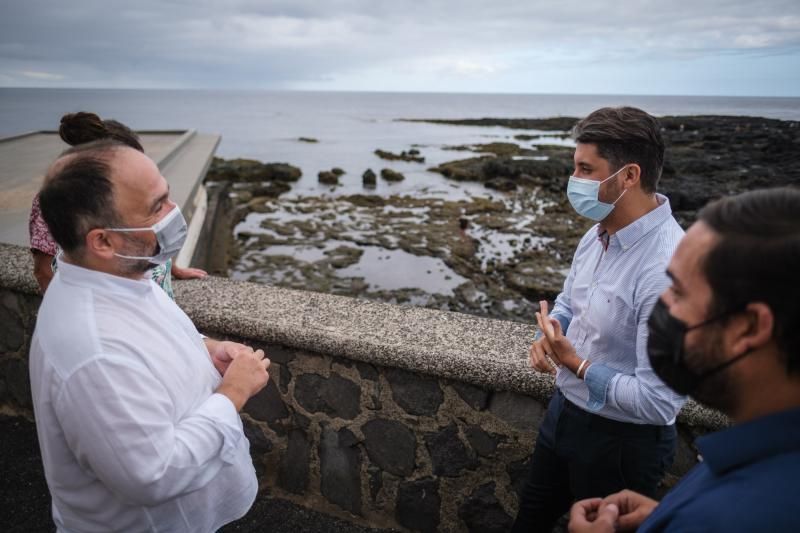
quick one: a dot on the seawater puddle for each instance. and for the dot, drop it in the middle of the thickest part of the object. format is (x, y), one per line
(499, 247)
(397, 248)
(379, 267)
(397, 269)
(360, 226)
(307, 253)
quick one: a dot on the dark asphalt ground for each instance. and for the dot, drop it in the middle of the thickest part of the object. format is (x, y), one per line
(25, 500)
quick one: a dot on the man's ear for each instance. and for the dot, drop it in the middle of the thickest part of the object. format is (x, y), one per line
(632, 175)
(98, 244)
(755, 328)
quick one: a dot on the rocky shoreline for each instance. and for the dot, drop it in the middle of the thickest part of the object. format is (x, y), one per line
(493, 256)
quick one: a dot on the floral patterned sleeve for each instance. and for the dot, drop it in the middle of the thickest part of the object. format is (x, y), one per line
(163, 277)
(41, 239)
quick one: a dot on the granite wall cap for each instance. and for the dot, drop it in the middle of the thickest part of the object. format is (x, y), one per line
(485, 352)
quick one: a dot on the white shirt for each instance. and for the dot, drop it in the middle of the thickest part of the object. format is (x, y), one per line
(133, 437)
(607, 299)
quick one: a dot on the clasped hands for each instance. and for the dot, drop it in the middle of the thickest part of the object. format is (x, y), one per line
(552, 349)
(223, 353)
(622, 511)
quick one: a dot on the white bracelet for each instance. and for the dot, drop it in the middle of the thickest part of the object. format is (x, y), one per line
(580, 368)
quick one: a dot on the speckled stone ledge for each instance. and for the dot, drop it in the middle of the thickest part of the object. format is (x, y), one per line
(16, 269)
(484, 352)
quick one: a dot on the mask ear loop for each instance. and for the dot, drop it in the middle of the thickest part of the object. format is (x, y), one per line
(726, 364)
(614, 174)
(608, 178)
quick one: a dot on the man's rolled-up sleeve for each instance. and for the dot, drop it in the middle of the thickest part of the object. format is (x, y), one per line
(642, 394)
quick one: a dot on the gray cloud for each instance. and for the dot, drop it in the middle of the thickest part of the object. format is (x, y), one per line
(352, 43)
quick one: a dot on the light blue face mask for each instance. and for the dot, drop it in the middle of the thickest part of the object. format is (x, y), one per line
(584, 195)
(170, 233)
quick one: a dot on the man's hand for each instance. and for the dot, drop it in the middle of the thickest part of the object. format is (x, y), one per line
(222, 352)
(187, 273)
(558, 347)
(634, 508)
(539, 356)
(593, 516)
(246, 375)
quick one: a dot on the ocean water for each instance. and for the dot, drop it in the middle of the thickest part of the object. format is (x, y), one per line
(349, 127)
(266, 125)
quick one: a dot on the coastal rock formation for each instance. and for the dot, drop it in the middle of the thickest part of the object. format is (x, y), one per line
(251, 170)
(391, 175)
(544, 124)
(706, 157)
(411, 155)
(328, 178)
(496, 148)
(501, 183)
(508, 251)
(369, 178)
(505, 172)
(344, 256)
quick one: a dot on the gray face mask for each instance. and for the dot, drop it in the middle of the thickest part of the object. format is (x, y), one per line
(170, 232)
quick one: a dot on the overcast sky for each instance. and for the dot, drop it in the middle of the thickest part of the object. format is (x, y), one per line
(716, 47)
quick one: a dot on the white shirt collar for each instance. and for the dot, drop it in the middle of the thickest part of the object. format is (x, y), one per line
(85, 277)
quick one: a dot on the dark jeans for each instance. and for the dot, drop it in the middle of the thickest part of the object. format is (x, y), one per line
(581, 455)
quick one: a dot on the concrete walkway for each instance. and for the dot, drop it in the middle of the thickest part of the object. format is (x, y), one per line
(182, 156)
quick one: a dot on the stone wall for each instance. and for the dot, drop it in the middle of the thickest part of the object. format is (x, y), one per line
(392, 447)
(389, 416)
(17, 319)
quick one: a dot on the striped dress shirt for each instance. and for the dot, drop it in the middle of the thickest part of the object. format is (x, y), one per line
(608, 295)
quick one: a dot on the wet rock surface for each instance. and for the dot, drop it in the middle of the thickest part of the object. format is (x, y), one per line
(493, 254)
(707, 156)
(328, 177)
(420, 254)
(391, 175)
(411, 155)
(369, 177)
(249, 170)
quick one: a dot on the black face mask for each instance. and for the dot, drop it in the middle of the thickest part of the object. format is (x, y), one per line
(665, 348)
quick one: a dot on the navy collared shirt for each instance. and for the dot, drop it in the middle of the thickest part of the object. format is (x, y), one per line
(748, 481)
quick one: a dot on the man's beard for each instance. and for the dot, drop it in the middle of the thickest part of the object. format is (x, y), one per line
(718, 390)
(134, 246)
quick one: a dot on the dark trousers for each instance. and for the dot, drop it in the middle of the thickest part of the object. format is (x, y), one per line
(581, 455)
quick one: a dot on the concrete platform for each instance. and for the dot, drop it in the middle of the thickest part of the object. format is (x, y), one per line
(182, 156)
